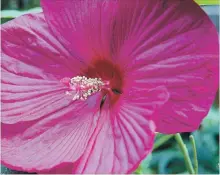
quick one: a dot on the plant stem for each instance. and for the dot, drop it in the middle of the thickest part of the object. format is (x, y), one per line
(185, 153)
(139, 170)
(162, 140)
(194, 154)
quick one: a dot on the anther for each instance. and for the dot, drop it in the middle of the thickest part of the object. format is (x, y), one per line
(83, 87)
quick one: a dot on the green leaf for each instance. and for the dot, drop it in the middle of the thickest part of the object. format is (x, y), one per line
(16, 13)
(4, 20)
(5, 170)
(145, 164)
(161, 140)
(208, 2)
(211, 122)
(163, 159)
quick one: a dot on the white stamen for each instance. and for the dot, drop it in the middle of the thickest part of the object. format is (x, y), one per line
(82, 87)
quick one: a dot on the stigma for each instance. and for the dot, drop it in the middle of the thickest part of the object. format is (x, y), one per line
(82, 87)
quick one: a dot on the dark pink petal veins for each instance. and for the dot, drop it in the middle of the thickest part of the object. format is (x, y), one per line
(123, 136)
(49, 142)
(41, 126)
(56, 139)
(174, 44)
(28, 40)
(84, 27)
(33, 62)
(170, 43)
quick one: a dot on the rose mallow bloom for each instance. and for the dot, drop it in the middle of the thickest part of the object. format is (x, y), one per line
(87, 83)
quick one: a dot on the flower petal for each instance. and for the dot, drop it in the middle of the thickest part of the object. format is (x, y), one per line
(33, 62)
(28, 39)
(51, 142)
(30, 86)
(25, 98)
(172, 44)
(124, 136)
(84, 27)
(160, 42)
(42, 128)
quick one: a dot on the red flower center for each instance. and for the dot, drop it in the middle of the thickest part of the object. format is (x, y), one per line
(101, 75)
(108, 72)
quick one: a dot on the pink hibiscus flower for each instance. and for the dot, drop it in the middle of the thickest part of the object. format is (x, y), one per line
(86, 83)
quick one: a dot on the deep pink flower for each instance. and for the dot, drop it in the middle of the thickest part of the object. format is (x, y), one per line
(158, 67)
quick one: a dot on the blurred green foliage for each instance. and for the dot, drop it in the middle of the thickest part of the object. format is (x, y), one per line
(166, 159)
(19, 4)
